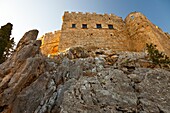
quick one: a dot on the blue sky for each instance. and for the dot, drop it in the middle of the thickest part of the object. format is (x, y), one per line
(46, 15)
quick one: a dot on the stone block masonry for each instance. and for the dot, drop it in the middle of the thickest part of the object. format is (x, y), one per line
(50, 42)
(103, 31)
(93, 30)
(142, 31)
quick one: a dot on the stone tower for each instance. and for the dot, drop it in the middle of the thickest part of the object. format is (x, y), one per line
(141, 31)
(93, 30)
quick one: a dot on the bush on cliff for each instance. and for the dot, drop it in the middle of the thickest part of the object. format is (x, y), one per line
(6, 42)
(156, 56)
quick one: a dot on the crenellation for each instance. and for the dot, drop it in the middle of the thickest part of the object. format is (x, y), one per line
(94, 14)
(51, 34)
(91, 14)
(73, 13)
(66, 12)
(88, 13)
(106, 15)
(80, 13)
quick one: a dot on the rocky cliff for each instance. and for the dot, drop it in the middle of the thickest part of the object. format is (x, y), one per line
(81, 81)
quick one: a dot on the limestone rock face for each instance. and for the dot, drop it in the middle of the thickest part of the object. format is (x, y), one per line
(80, 80)
(20, 70)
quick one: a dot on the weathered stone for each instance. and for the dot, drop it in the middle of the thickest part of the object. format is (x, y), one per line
(92, 37)
(130, 34)
(50, 43)
(142, 31)
(78, 80)
(23, 68)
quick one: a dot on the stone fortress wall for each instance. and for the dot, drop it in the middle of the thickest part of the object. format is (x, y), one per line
(141, 31)
(50, 42)
(93, 37)
(130, 34)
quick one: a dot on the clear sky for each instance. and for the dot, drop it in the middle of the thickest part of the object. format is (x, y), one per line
(46, 15)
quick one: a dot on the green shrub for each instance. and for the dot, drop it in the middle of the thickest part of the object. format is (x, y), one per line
(156, 56)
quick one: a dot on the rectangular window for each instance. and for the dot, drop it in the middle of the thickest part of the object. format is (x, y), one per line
(98, 26)
(110, 26)
(73, 25)
(84, 26)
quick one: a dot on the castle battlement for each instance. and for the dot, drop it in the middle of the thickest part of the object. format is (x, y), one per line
(93, 14)
(91, 19)
(49, 34)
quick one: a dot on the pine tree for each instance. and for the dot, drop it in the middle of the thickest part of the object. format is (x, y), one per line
(6, 42)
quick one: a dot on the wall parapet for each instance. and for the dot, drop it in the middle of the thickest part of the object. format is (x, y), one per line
(91, 14)
(51, 33)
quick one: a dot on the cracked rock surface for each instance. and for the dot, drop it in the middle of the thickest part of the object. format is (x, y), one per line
(81, 81)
